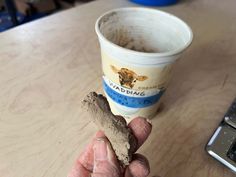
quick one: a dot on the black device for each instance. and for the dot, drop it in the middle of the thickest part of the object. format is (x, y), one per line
(222, 145)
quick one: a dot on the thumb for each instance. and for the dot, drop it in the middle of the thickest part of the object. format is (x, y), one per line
(105, 162)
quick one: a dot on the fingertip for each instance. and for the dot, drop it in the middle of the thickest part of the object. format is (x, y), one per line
(99, 134)
(141, 128)
(139, 167)
(143, 120)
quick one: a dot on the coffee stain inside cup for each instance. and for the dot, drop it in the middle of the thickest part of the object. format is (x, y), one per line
(125, 35)
(124, 38)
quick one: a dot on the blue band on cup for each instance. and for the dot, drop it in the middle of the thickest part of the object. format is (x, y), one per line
(132, 102)
(155, 2)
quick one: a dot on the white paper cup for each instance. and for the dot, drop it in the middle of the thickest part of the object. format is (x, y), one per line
(139, 47)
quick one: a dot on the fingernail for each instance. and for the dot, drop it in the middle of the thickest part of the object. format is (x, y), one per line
(100, 149)
(99, 134)
(148, 120)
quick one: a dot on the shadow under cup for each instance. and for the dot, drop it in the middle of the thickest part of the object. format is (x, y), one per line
(139, 42)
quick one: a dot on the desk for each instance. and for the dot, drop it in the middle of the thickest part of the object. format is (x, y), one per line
(48, 66)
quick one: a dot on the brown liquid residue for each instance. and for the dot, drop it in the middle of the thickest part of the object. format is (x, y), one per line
(123, 39)
(130, 45)
(143, 49)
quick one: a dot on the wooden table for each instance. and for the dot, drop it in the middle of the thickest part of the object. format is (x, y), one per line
(48, 66)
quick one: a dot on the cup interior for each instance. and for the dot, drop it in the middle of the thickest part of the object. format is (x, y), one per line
(145, 30)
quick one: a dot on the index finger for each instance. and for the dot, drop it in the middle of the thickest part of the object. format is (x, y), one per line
(141, 129)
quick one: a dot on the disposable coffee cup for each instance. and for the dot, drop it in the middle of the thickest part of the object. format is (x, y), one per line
(139, 47)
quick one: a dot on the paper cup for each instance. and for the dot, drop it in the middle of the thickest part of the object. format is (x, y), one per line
(139, 47)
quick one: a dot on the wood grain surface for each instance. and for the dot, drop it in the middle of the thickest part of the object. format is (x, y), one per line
(48, 66)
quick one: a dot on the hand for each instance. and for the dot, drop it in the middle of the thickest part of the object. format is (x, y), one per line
(99, 159)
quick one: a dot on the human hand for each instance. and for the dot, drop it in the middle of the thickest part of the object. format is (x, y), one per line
(99, 159)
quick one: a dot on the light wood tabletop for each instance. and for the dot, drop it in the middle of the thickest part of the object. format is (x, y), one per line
(48, 66)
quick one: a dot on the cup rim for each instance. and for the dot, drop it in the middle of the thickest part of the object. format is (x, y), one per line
(151, 54)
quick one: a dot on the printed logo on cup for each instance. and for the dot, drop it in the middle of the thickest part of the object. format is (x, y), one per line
(133, 86)
(127, 77)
